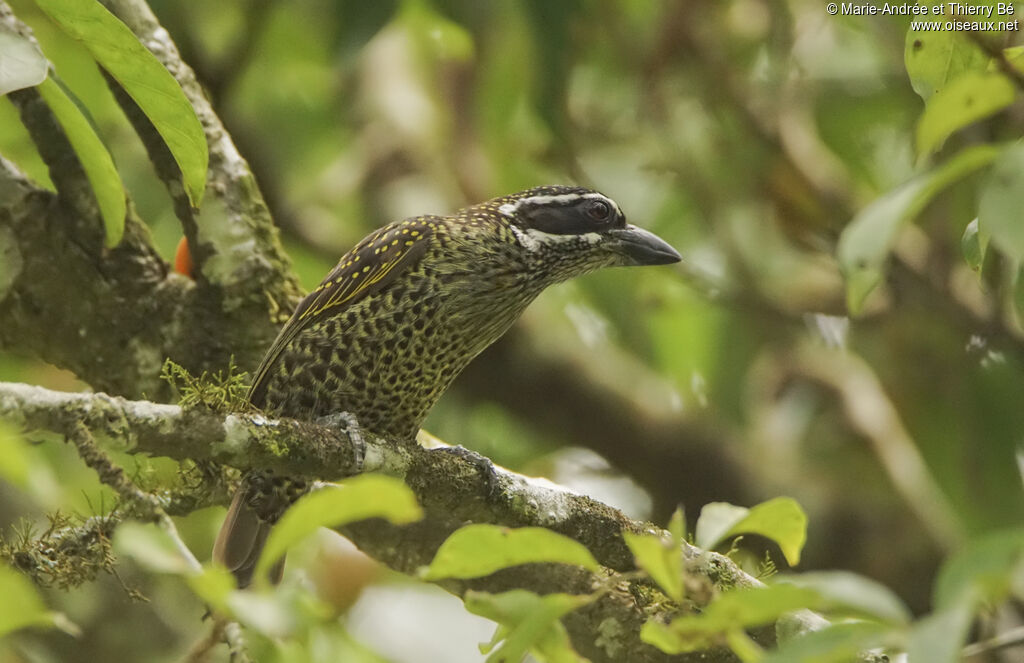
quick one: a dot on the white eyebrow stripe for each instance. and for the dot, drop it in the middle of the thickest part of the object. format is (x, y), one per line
(510, 209)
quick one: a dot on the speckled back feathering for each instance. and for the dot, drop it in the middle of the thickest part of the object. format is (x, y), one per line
(404, 311)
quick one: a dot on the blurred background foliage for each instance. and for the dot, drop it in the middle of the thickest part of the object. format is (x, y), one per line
(747, 133)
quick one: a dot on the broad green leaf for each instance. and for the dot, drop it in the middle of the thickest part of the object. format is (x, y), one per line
(21, 606)
(737, 609)
(661, 559)
(973, 245)
(119, 51)
(22, 64)
(267, 612)
(1002, 201)
(287, 610)
(1014, 55)
(844, 591)
(1018, 292)
(939, 637)
(838, 643)
(677, 526)
(981, 571)
(352, 500)
(446, 39)
(668, 640)
(866, 241)
(321, 643)
(968, 99)
(780, 519)
(93, 155)
(528, 622)
(151, 548)
(715, 521)
(214, 584)
(480, 550)
(934, 59)
(14, 464)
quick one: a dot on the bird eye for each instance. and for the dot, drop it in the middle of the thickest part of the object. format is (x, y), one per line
(598, 210)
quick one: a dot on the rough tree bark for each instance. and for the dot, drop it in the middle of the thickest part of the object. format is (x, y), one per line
(113, 316)
(450, 488)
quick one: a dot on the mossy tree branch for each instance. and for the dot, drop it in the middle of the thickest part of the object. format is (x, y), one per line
(112, 316)
(451, 489)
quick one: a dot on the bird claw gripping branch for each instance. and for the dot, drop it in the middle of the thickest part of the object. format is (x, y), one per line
(483, 464)
(347, 423)
(406, 309)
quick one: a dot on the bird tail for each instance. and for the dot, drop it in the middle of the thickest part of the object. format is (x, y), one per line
(241, 541)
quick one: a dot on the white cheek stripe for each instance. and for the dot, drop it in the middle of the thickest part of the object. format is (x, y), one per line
(510, 209)
(526, 240)
(532, 239)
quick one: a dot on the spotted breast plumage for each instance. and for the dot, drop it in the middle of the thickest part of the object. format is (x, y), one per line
(403, 312)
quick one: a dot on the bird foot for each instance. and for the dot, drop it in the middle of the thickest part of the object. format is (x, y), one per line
(481, 462)
(346, 423)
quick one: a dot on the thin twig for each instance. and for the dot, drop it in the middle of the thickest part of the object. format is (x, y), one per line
(871, 413)
(997, 54)
(149, 505)
(143, 503)
(451, 489)
(1012, 638)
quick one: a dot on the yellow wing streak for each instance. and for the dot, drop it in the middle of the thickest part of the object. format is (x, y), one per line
(368, 268)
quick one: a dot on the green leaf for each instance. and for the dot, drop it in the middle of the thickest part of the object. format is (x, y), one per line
(662, 560)
(93, 155)
(119, 51)
(939, 637)
(21, 606)
(933, 59)
(665, 638)
(446, 39)
(352, 500)
(288, 610)
(737, 609)
(715, 521)
(1018, 292)
(14, 464)
(780, 519)
(529, 622)
(214, 584)
(981, 571)
(677, 526)
(22, 64)
(866, 241)
(480, 550)
(968, 99)
(1001, 202)
(973, 245)
(848, 592)
(267, 612)
(151, 547)
(837, 643)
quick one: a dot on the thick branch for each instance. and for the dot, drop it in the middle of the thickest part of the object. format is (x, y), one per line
(112, 316)
(233, 239)
(451, 489)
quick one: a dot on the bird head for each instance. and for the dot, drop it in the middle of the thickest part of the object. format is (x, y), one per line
(579, 230)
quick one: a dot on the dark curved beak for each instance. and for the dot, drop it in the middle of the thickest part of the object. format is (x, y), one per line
(641, 247)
